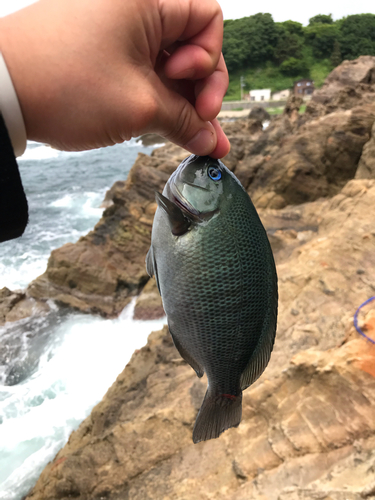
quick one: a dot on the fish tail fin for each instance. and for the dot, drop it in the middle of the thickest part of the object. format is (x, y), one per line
(218, 413)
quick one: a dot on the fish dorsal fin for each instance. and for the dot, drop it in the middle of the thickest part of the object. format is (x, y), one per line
(178, 222)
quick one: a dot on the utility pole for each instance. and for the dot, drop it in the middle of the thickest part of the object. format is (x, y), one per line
(242, 84)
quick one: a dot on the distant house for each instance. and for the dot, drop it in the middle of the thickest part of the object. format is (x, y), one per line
(260, 95)
(304, 87)
(280, 96)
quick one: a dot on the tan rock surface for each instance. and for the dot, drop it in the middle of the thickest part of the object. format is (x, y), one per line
(350, 84)
(149, 304)
(366, 165)
(315, 161)
(308, 428)
(311, 428)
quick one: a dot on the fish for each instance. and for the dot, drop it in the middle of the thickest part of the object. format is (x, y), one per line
(216, 275)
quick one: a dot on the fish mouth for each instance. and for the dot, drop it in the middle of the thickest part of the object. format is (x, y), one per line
(175, 195)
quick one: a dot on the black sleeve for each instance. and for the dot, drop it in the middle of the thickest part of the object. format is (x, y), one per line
(13, 203)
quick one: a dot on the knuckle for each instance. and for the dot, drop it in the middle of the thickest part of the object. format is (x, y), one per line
(180, 127)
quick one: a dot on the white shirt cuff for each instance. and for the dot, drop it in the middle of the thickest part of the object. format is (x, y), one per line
(11, 111)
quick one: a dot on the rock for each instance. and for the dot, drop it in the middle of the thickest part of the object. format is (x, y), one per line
(259, 113)
(16, 305)
(104, 269)
(317, 160)
(308, 429)
(292, 107)
(366, 165)
(115, 192)
(149, 304)
(350, 84)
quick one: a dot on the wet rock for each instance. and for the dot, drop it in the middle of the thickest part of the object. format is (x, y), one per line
(15, 306)
(104, 269)
(149, 304)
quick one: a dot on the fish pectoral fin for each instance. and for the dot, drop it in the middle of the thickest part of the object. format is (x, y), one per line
(151, 268)
(187, 357)
(179, 224)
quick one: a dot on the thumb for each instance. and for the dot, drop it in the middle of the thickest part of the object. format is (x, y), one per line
(178, 121)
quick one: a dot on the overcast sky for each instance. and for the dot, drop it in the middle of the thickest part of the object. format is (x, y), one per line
(280, 10)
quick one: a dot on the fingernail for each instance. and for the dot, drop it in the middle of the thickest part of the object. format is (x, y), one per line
(202, 143)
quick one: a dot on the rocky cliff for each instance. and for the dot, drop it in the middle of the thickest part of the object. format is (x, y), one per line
(308, 428)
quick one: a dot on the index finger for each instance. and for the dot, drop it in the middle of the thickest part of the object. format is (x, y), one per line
(199, 25)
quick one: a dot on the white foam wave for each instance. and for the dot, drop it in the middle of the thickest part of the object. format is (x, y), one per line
(65, 201)
(22, 271)
(39, 414)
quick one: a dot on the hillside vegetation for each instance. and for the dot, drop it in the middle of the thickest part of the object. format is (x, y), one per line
(273, 55)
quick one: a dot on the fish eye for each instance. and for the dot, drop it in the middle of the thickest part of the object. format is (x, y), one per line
(214, 173)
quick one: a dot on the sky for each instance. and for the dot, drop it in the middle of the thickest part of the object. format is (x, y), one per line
(280, 10)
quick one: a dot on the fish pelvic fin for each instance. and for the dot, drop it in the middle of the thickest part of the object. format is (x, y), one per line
(217, 414)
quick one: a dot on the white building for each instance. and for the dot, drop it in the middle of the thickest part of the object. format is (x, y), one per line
(260, 95)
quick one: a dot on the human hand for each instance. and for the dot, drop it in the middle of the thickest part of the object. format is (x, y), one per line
(92, 73)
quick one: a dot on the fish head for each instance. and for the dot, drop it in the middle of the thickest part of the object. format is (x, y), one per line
(201, 186)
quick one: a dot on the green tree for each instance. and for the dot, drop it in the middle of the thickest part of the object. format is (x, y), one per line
(321, 19)
(290, 41)
(292, 27)
(336, 54)
(294, 67)
(322, 37)
(249, 41)
(357, 36)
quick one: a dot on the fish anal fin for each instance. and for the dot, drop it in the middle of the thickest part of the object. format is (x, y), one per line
(178, 223)
(187, 357)
(258, 361)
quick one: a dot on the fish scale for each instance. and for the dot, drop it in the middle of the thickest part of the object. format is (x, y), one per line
(218, 284)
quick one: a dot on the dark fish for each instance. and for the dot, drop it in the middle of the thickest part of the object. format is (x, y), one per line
(216, 275)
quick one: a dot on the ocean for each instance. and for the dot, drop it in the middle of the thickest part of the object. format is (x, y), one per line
(66, 361)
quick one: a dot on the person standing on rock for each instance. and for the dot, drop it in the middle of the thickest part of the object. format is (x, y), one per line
(82, 74)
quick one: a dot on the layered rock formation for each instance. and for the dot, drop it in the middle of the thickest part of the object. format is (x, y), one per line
(308, 427)
(307, 433)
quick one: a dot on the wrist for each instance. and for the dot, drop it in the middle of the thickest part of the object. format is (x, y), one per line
(11, 111)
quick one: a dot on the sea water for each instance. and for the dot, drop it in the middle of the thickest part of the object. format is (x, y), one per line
(54, 369)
